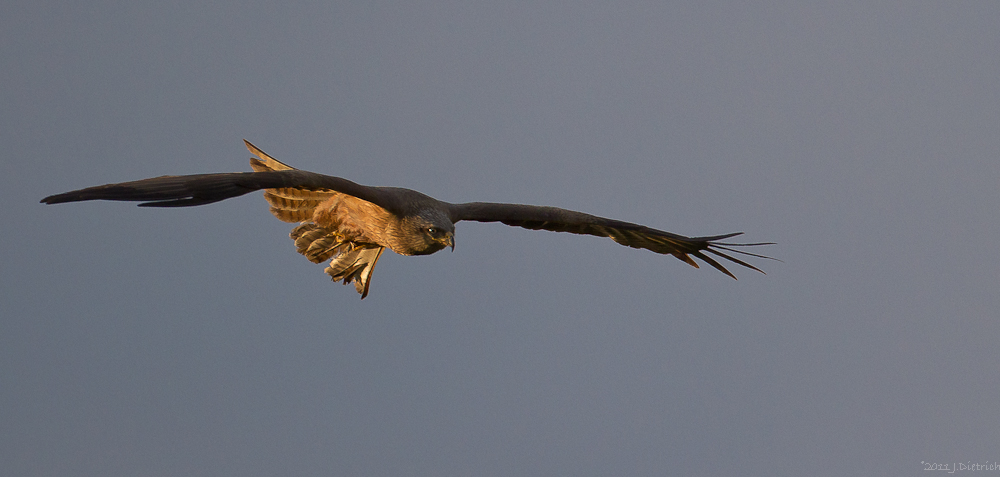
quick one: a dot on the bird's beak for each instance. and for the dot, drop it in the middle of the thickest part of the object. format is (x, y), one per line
(451, 241)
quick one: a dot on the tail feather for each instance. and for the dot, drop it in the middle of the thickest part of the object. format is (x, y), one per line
(317, 243)
(355, 266)
(349, 261)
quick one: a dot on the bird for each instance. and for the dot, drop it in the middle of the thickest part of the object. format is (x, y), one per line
(351, 224)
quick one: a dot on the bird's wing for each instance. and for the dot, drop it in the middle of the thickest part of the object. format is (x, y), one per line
(633, 235)
(200, 189)
(293, 195)
(287, 204)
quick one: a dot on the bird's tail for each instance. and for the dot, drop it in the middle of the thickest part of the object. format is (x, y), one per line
(349, 261)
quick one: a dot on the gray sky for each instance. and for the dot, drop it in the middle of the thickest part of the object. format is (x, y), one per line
(863, 137)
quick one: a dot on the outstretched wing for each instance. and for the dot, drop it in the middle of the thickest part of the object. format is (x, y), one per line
(200, 189)
(293, 195)
(633, 235)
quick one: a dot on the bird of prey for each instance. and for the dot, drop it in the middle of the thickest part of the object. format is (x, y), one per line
(351, 224)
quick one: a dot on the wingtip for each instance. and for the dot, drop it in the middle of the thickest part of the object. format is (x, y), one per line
(62, 198)
(269, 162)
(257, 151)
(250, 147)
(715, 238)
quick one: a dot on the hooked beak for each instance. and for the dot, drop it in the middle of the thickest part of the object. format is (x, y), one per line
(451, 241)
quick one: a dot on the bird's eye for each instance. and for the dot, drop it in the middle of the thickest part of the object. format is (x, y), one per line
(432, 230)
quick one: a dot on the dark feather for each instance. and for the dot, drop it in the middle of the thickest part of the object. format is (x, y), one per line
(199, 189)
(626, 233)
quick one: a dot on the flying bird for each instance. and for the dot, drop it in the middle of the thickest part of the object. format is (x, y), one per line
(351, 225)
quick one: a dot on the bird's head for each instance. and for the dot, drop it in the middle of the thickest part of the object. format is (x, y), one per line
(427, 232)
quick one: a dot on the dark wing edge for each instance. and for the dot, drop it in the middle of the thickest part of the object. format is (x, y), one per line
(554, 219)
(201, 189)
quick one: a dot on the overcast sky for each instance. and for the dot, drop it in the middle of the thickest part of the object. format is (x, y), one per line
(862, 137)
